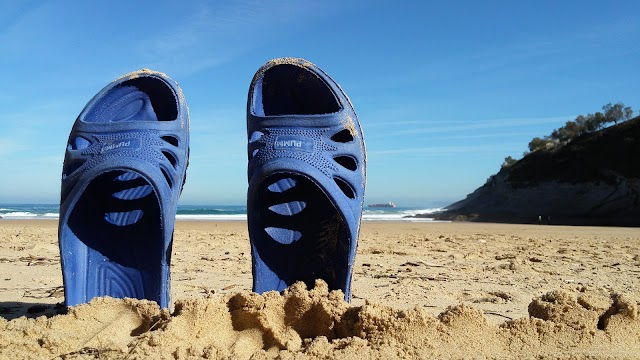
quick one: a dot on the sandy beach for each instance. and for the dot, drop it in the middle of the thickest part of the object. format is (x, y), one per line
(421, 290)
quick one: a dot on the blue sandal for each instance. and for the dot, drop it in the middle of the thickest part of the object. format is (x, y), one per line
(123, 173)
(307, 170)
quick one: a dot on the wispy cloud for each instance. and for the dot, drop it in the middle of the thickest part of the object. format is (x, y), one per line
(522, 56)
(492, 135)
(14, 11)
(217, 32)
(442, 150)
(9, 146)
(404, 123)
(458, 127)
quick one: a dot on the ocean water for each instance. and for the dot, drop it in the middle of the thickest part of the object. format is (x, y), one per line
(213, 212)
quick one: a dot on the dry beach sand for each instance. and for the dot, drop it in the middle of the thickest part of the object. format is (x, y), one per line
(421, 290)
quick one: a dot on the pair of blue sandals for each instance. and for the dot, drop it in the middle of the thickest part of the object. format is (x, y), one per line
(125, 167)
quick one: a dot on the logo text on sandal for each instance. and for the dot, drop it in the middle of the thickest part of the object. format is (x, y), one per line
(290, 142)
(129, 144)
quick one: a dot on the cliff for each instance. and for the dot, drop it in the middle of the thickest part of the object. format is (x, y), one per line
(592, 180)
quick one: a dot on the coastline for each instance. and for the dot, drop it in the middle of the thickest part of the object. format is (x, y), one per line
(211, 212)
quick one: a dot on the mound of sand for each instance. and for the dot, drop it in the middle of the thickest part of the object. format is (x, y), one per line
(317, 323)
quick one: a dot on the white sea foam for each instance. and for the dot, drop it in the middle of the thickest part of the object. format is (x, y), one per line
(369, 214)
(19, 215)
(217, 217)
(394, 215)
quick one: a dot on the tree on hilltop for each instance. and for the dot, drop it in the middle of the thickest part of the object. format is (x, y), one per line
(570, 130)
(508, 161)
(583, 124)
(540, 144)
(628, 113)
(589, 123)
(617, 112)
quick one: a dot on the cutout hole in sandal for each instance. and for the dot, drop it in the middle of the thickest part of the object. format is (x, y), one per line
(171, 140)
(282, 185)
(133, 193)
(167, 177)
(283, 236)
(78, 143)
(288, 209)
(127, 176)
(347, 162)
(345, 187)
(343, 136)
(172, 158)
(255, 136)
(124, 218)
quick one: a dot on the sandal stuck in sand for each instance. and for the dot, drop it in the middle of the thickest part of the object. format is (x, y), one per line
(307, 170)
(123, 173)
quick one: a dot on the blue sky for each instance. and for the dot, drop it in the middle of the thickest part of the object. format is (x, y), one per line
(444, 90)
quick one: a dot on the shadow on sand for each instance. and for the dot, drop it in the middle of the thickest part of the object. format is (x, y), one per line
(13, 309)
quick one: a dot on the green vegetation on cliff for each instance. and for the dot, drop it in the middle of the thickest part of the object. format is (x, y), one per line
(583, 124)
(595, 156)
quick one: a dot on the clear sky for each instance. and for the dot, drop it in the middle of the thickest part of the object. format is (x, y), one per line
(444, 90)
